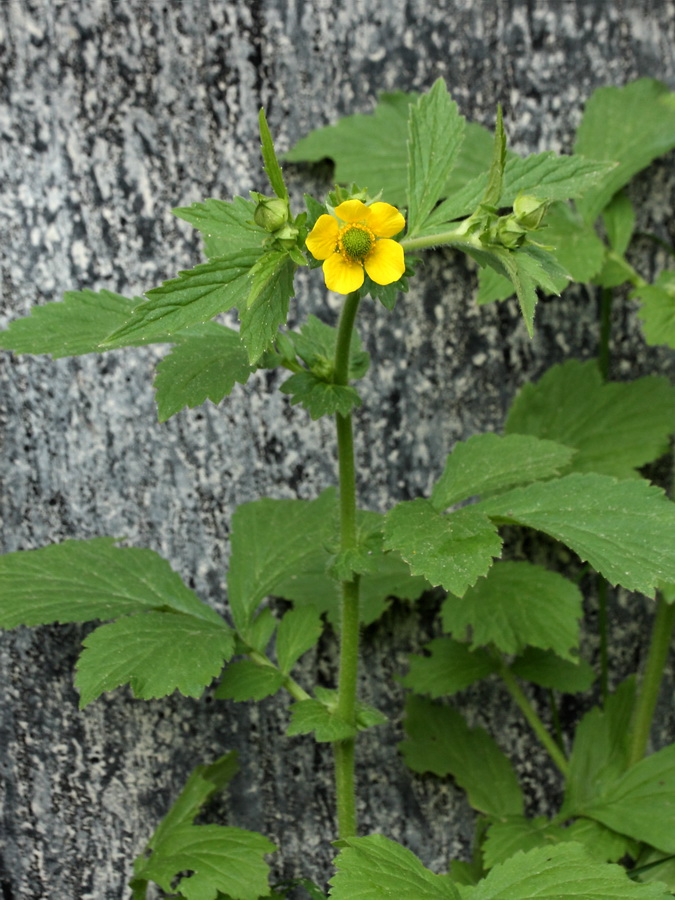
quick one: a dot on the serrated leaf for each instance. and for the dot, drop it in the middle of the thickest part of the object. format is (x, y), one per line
(246, 680)
(493, 286)
(298, 632)
(630, 125)
(440, 741)
(624, 529)
(202, 367)
(313, 716)
(619, 220)
(373, 867)
(518, 604)
(195, 296)
(72, 327)
(220, 858)
(156, 653)
(495, 175)
(267, 302)
(530, 268)
(269, 155)
(544, 668)
(313, 586)
(450, 667)
(270, 540)
(547, 176)
(488, 462)
(658, 310)
(615, 427)
(517, 833)
(81, 580)
(227, 227)
(203, 783)
(315, 344)
(435, 134)
(452, 551)
(576, 244)
(639, 802)
(600, 750)
(320, 397)
(552, 873)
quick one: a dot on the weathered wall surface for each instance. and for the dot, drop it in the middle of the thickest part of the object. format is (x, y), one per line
(111, 113)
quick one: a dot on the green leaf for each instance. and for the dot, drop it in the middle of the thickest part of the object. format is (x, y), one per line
(312, 585)
(658, 312)
(195, 296)
(563, 871)
(600, 750)
(203, 783)
(452, 551)
(373, 867)
(440, 741)
(156, 653)
(271, 539)
(639, 803)
(298, 632)
(547, 176)
(615, 427)
(517, 833)
(487, 463)
(219, 858)
(227, 227)
(450, 667)
(320, 397)
(72, 327)
(576, 244)
(369, 150)
(81, 580)
(619, 219)
(493, 286)
(202, 367)
(272, 166)
(624, 529)
(518, 604)
(246, 680)
(544, 668)
(309, 716)
(267, 302)
(631, 125)
(495, 176)
(435, 134)
(530, 268)
(315, 344)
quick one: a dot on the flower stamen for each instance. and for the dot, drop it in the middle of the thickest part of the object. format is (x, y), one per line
(355, 242)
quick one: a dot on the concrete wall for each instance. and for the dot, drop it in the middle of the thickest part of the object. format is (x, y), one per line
(111, 113)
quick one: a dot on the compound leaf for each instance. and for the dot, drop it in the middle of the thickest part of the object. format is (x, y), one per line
(246, 680)
(227, 227)
(450, 667)
(658, 310)
(271, 287)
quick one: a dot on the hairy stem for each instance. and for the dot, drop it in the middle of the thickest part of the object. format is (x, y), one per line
(662, 632)
(533, 719)
(603, 632)
(349, 624)
(606, 297)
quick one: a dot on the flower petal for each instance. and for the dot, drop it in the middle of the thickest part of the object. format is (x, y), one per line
(322, 239)
(342, 276)
(353, 211)
(385, 220)
(385, 263)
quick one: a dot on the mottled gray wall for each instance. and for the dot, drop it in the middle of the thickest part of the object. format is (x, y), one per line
(111, 113)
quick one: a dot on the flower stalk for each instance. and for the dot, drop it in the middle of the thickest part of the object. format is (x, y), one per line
(344, 751)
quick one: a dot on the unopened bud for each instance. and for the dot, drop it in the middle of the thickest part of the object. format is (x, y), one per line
(529, 211)
(271, 213)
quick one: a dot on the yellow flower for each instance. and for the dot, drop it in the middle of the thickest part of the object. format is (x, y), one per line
(358, 237)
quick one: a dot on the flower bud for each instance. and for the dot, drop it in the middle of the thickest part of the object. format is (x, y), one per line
(271, 213)
(529, 211)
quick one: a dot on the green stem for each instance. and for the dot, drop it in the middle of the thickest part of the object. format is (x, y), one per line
(533, 719)
(643, 713)
(344, 751)
(456, 236)
(603, 631)
(606, 297)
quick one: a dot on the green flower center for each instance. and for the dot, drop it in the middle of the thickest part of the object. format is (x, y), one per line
(356, 241)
